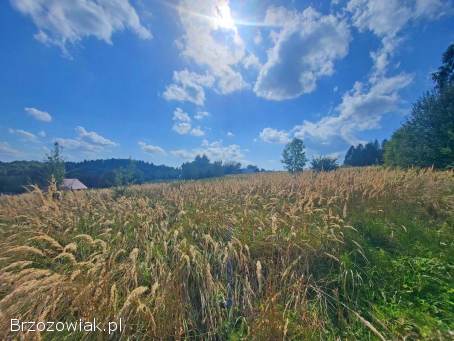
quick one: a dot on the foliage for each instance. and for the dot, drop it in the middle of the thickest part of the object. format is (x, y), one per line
(426, 139)
(14, 176)
(201, 168)
(294, 156)
(128, 175)
(17, 175)
(365, 155)
(324, 164)
(114, 172)
(354, 254)
(444, 77)
(55, 165)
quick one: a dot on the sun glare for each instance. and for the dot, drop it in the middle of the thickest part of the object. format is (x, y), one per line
(223, 17)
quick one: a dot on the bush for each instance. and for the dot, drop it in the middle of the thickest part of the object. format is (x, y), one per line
(324, 164)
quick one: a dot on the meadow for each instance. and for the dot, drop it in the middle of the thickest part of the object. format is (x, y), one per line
(358, 253)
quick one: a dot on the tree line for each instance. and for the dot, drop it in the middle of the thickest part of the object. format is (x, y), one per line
(426, 139)
(17, 175)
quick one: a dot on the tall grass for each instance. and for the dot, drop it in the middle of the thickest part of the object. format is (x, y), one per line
(355, 253)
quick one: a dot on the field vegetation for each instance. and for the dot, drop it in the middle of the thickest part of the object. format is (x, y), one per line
(352, 254)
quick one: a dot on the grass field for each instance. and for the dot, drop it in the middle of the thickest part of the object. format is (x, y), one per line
(353, 254)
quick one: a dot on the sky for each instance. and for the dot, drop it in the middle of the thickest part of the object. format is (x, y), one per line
(165, 80)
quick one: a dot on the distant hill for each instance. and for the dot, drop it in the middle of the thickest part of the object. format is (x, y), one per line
(111, 172)
(16, 175)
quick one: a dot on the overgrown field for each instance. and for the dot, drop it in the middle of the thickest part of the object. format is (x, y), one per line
(352, 254)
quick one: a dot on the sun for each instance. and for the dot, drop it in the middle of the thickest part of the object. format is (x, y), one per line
(223, 17)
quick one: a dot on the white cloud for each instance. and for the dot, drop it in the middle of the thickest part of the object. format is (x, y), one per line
(201, 21)
(148, 148)
(180, 115)
(60, 22)
(182, 128)
(230, 134)
(93, 137)
(306, 45)
(77, 145)
(251, 62)
(386, 19)
(361, 109)
(86, 142)
(215, 151)
(183, 124)
(197, 132)
(23, 133)
(188, 86)
(6, 151)
(39, 114)
(42, 133)
(271, 135)
(200, 115)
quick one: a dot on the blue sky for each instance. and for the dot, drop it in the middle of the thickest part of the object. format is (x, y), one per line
(163, 81)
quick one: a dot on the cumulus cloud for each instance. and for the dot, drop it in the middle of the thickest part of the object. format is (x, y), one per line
(38, 114)
(215, 151)
(182, 128)
(93, 137)
(180, 115)
(182, 124)
(361, 109)
(148, 148)
(386, 19)
(306, 45)
(197, 132)
(77, 145)
(230, 134)
(86, 142)
(23, 133)
(251, 62)
(188, 86)
(202, 22)
(60, 22)
(271, 135)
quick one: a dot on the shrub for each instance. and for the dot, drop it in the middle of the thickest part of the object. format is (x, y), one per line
(324, 164)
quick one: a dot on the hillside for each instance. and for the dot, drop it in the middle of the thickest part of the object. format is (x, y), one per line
(351, 254)
(16, 176)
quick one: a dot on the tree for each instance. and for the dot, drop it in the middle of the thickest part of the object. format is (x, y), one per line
(252, 169)
(367, 155)
(445, 74)
(324, 164)
(55, 165)
(426, 139)
(294, 156)
(128, 175)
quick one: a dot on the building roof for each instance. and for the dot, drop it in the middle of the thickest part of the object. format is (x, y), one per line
(72, 184)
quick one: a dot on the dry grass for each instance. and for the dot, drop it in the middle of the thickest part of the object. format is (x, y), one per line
(168, 257)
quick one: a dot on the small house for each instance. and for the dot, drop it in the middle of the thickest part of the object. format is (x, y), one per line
(72, 185)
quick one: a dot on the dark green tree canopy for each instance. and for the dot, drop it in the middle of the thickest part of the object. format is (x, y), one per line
(294, 156)
(426, 139)
(324, 164)
(445, 74)
(365, 155)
